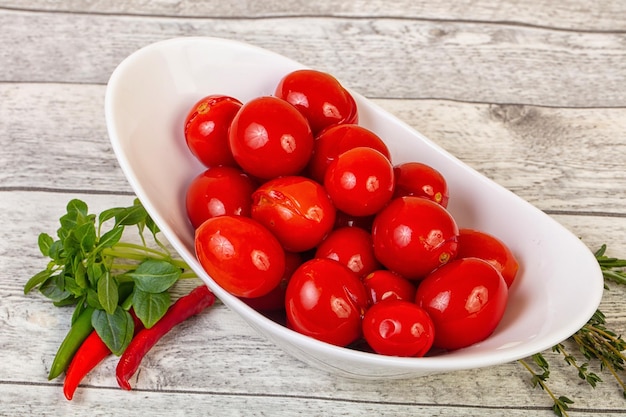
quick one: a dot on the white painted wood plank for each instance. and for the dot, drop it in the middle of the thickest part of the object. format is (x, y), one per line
(531, 95)
(383, 58)
(567, 14)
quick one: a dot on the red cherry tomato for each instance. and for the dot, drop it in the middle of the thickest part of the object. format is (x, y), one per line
(466, 299)
(217, 191)
(384, 285)
(242, 256)
(413, 236)
(269, 138)
(206, 129)
(319, 97)
(275, 299)
(420, 180)
(478, 244)
(296, 210)
(352, 247)
(398, 328)
(326, 300)
(360, 181)
(337, 139)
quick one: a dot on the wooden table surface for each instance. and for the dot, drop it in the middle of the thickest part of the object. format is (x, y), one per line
(531, 94)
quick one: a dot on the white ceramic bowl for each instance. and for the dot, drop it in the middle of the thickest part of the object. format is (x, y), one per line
(559, 285)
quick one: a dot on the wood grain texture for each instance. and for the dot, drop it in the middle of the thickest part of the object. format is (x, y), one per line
(605, 15)
(465, 61)
(530, 94)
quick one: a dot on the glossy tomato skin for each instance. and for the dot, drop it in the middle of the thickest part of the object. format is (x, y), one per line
(326, 300)
(479, 244)
(241, 255)
(352, 247)
(412, 236)
(319, 97)
(335, 140)
(269, 138)
(420, 180)
(384, 285)
(360, 181)
(217, 191)
(297, 210)
(398, 328)
(206, 129)
(466, 300)
(275, 299)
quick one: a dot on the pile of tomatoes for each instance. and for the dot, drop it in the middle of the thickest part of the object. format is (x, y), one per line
(301, 210)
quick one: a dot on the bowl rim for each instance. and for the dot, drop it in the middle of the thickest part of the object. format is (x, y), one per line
(427, 364)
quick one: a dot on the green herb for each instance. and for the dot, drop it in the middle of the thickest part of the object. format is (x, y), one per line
(88, 264)
(596, 344)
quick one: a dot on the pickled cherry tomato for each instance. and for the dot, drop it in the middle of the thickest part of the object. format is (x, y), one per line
(217, 191)
(336, 242)
(475, 243)
(269, 138)
(241, 255)
(337, 139)
(420, 180)
(384, 285)
(206, 129)
(352, 247)
(398, 328)
(275, 299)
(360, 181)
(296, 210)
(412, 236)
(319, 97)
(466, 299)
(326, 300)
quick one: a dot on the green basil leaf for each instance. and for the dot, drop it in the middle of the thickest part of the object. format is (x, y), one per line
(68, 221)
(72, 287)
(108, 295)
(115, 330)
(76, 215)
(86, 236)
(131, 215)
(150, 307)
(62, 234)
(77, 206)
(94, 272)
(92, 299)
(155, 276)
(152, 226)
(71, 244)
(109, 214)
(111, 237)
(38, 279)
(54, 288)
(45, 241)
(56, 252)
(68, 301)
(80, 274)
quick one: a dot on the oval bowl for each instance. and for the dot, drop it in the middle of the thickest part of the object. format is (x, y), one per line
(559, 285)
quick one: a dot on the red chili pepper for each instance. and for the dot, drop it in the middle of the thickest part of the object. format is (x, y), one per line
(189, 305)
(92, 351)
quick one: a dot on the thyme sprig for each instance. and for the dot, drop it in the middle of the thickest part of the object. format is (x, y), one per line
(596, 344)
